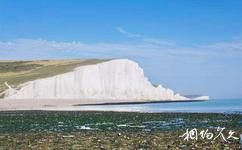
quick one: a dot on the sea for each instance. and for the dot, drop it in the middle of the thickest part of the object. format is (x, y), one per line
(209, 106)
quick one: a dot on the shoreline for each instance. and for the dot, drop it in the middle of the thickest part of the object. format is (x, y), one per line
(70, 104)
(141, 102)
(123, 112)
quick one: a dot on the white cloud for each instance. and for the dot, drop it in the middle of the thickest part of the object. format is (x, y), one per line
(233, 45)
(144, 47)
(158, 41)
(129, 34)
(39, 48)
(145, 38)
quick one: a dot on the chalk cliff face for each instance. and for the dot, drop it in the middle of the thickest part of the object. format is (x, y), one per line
(114, 79)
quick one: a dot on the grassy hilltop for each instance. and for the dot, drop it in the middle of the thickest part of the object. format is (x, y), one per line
(17, 72)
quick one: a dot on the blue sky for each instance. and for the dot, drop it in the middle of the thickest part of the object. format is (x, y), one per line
(193, 47)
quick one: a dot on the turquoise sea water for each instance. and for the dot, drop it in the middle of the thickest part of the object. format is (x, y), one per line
(214, 106)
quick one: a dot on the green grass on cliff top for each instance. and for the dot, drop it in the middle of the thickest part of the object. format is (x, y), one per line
(17, 72)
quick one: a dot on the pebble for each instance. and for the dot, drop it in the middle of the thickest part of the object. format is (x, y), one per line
(101, 147)
(241, 139)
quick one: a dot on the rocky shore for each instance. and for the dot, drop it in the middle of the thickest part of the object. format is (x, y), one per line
(114, 130)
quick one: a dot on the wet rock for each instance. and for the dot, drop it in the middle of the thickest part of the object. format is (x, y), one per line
(169, 146)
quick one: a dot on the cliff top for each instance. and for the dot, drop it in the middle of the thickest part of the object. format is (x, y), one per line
(17, 72)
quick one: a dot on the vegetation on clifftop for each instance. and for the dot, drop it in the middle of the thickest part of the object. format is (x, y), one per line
(17, 72)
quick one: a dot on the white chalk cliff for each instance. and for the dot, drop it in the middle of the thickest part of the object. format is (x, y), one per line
(114, 79)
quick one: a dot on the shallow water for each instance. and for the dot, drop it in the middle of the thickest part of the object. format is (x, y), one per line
(210, 106)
